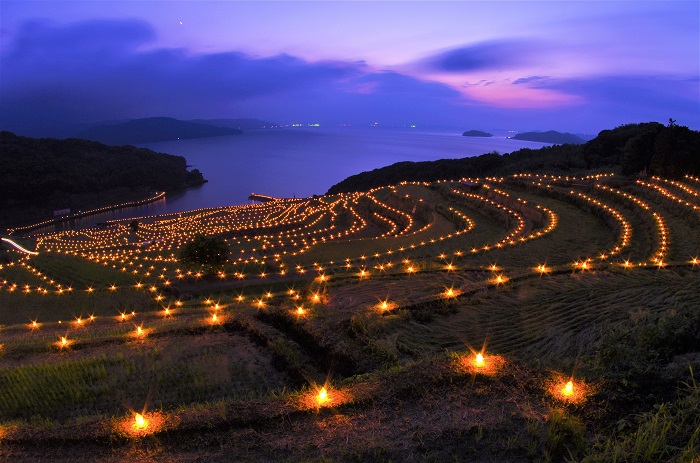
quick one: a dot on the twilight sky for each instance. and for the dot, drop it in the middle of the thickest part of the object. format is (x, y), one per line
(563, 65)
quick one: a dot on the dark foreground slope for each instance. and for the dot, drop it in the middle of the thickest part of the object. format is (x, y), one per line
(41, 175)
(660, 150)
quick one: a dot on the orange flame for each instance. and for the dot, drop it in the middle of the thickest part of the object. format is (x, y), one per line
(322, 395)
(139, 421)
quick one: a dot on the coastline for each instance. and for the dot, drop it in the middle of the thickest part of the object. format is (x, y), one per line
(81, 214)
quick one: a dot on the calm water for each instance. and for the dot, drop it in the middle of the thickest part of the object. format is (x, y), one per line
(300, 162)
(303, 162)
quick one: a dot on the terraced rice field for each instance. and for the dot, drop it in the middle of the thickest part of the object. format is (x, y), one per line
(380, 297)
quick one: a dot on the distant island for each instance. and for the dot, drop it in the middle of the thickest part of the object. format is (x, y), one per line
(550, 136)
(476, 133)
(40, 175)
(152, 129)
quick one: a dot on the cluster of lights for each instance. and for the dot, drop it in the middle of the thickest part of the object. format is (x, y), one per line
(128, 258)
(625, 227)
(516, 235)
(89, 212)
(281, 212)
(663, 235)
(667, 194)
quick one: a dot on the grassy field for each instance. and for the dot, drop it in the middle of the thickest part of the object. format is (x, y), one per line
(382, 298)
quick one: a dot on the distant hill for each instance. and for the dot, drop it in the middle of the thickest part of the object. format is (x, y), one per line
(152, 129)
(241, 124)
(476, 133)
(668, 151)
(551, 136)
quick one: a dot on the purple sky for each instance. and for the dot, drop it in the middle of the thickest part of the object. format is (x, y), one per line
(563, 65)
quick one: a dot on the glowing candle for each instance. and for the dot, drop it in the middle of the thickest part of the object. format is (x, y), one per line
(569, 388)
(322, 395)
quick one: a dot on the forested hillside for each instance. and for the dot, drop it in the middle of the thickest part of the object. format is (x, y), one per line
(39, 175)
(660, 150)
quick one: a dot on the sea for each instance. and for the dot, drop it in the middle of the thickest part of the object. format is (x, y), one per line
(298, 162)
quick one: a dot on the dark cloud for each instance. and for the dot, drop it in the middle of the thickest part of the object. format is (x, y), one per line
(635, 94)
(41, 38)
(531, 80)
(492, 55)
(621, 99)
(101, 70)
(56, 76)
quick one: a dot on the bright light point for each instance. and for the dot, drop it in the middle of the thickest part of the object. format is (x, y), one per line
(479, 359)
(139, 421)
(300, 311)
(213, 317)
(322, 395)
(569, 388)
(64, 341)
(451, 292)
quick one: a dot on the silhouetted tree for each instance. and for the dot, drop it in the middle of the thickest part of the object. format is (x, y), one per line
(210, 251)
(639, 149)
(676, 152)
